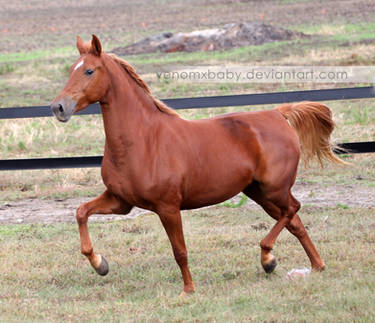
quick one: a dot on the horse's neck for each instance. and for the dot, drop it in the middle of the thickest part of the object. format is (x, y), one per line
(129, 114)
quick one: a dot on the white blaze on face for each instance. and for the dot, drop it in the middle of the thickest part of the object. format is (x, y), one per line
(79, 65)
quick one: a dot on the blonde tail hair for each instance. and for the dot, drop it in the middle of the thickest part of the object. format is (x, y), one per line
(313, 123)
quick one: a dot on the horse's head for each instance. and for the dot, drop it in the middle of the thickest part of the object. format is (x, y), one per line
(88, 81)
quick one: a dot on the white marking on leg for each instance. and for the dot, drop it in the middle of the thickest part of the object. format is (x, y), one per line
(79, 65)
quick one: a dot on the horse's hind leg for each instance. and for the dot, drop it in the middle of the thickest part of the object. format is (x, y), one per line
(295, 226)
(105, 203)
(298, 230)
(280, 211)
(267, 259)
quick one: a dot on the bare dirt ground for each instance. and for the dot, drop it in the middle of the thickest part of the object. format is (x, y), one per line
(53, 211)
(42, 24)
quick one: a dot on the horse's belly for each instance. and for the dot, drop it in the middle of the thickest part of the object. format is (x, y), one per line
(202, 201)
(204, 192)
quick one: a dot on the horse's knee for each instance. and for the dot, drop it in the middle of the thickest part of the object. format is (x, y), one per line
(81, 214)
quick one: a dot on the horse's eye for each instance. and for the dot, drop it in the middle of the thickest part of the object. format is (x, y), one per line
(89, 72)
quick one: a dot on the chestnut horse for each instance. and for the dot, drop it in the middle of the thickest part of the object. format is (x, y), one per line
(154, 159)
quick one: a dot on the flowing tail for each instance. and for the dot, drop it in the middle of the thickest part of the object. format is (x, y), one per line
(313, 123)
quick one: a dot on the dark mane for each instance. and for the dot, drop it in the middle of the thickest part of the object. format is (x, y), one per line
(131, 71)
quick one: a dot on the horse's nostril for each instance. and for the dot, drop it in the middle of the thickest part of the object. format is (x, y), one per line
(61, 108)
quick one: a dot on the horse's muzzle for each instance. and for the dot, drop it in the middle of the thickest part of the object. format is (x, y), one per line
(63, 108)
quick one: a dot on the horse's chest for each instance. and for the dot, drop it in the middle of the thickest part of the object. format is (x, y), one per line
(126, 182)
(116, 179)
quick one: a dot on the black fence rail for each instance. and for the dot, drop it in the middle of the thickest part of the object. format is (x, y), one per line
(217, 101)
(189, 103)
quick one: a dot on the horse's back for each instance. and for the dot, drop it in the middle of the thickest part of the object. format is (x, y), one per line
(258, 132)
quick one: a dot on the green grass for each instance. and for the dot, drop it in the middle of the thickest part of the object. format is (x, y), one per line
(365, 28)
(44, 276)
(36, 55)
(364, 116)
(6, 69)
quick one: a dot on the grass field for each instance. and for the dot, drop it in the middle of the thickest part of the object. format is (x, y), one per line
(43, 275)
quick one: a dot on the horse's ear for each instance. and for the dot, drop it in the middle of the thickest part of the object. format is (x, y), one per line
(81, 46)
(96, 47)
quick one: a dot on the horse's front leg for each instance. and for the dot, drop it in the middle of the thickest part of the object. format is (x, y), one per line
(171, 220)
(105, 203)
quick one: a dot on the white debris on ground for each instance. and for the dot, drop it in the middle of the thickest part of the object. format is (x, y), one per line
(298, 273)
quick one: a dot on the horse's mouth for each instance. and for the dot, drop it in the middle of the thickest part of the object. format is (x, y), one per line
(62, 119)
(63, 109)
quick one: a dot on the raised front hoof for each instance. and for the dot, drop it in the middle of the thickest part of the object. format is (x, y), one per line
(103, 267)
(270, 266)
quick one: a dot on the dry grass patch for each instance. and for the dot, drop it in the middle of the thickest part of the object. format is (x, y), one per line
(44, 277)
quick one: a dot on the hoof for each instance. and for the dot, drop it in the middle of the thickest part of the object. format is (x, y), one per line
(185, 294)
(103, 268)
(318, 269)
(188, 290)
(270, 267)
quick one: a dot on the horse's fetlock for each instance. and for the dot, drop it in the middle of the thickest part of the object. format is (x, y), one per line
(87, 252)
(265, 246)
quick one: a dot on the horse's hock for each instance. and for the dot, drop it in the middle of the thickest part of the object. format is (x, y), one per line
(229, 36)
